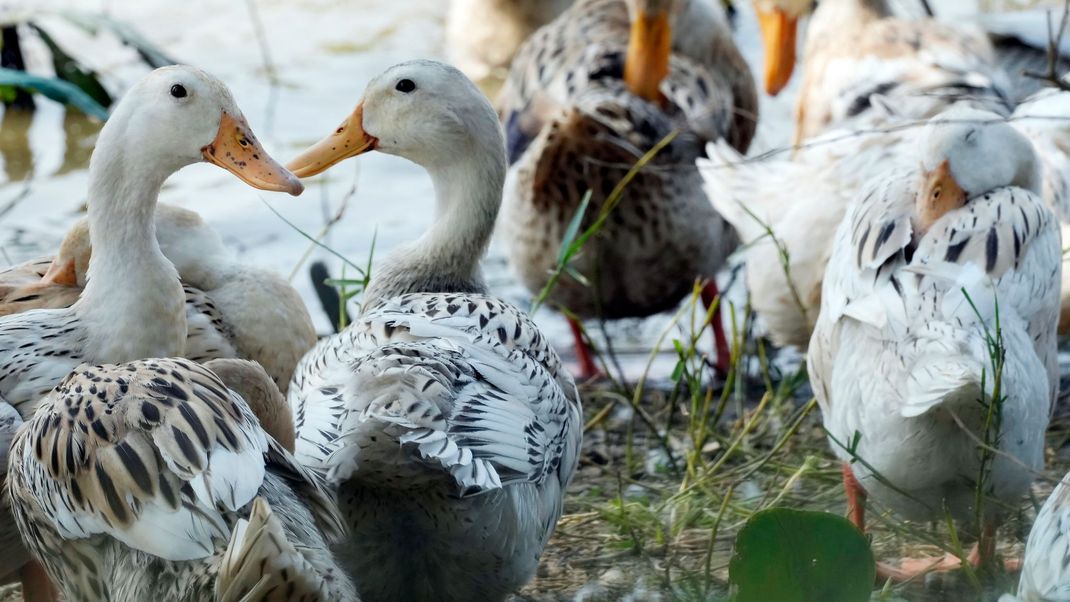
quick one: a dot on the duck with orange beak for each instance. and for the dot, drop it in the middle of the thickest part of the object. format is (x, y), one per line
(925, 264)
(441, 415)
(587, 96)
(133, 305)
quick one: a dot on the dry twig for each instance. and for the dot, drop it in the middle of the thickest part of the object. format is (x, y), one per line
(1051, 75)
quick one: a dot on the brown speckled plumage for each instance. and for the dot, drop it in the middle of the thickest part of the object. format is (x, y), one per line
(133, 480)
(573, 126)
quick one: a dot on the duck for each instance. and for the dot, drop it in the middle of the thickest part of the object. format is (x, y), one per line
(586, 97)
(171, 489)
(133, 305)
(442, 416)
(233, 310)
(870, 80)
(1044, 574)
(483, 35)
(929, 260)
(855, 48)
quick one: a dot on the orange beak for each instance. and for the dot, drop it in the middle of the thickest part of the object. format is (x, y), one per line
(939, 195)
(778, 39)
(348, 140)
(237, 150)
(649, 49)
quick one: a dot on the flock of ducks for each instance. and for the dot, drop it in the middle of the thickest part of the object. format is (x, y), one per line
(171, 429)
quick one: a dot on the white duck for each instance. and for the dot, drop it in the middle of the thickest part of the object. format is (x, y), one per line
(152, 480)
(483, 35)
(1046, 568)
(232, 309)
(442, 415)
(899, 360)
(133, 305)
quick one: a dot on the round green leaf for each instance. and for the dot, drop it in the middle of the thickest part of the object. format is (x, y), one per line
(800, 556)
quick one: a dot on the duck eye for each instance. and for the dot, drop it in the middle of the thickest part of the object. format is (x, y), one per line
(405, 85)
(178, 91)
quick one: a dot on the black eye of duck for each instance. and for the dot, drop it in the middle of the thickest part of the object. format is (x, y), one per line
(178, 91)
(405, 85)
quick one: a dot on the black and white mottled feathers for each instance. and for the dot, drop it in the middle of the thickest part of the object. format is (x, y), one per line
(1046, 567)
(39, 348)
(1003, 249)
(458, 389)
(153, 460)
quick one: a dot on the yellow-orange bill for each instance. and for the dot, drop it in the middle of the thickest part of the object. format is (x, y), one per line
(649, 50)
(778, 39)
(348, 140)
(237, 150)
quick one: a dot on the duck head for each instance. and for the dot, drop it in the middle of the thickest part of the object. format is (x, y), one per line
(966, 152)
(180, 115)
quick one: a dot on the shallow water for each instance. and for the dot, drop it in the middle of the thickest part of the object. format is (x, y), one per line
(321, 54)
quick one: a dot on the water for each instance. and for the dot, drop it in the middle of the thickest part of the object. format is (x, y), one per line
(317, 57)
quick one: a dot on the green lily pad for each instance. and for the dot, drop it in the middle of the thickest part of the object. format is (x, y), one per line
(54, 88)
(800, 556)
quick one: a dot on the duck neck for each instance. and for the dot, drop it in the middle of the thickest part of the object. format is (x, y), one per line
(133, 305)
(468, 194)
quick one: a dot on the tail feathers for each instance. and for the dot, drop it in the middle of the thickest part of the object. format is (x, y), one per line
(261, 564)
(937, 380)
(749, 195)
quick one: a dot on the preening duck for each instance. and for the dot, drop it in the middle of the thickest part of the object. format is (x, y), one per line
(442, 416)
(232, 309)
(587, 96)
(483, 35)
(152, 480)
(132, 305)
(927, 262)
(855, 48)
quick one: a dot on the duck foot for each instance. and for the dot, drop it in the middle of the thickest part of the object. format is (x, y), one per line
(723, 364)
(856, 498)
(980, 555)
(589, 369)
